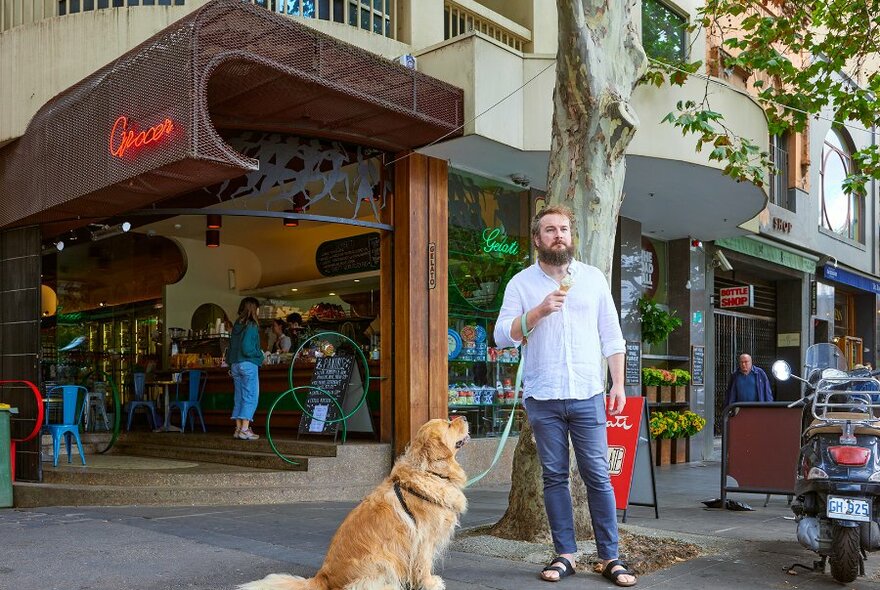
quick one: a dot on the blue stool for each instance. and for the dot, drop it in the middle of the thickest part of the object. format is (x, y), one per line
(140, 401)
(72, 400)
(194, 400)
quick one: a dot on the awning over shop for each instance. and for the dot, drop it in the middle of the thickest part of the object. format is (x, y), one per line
(777, 254)
(852, 279)
(145, 127)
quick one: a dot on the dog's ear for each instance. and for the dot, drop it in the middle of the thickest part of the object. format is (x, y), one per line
(429, 446)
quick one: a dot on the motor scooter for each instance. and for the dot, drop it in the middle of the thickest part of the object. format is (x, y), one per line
(837, 484)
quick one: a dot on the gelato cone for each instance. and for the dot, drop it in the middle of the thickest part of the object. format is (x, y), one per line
(566, 284)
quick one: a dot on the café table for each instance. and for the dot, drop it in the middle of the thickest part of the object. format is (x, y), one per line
(166, 427)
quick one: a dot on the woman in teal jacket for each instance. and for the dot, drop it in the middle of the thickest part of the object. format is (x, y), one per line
(245, 358)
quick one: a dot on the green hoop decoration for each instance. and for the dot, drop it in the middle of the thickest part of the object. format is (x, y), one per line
(367, 377)
(117, 410)
(272, 408)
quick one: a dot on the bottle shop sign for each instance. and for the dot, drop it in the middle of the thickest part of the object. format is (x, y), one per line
(738, 296)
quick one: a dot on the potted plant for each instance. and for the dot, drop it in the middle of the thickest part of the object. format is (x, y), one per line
(680, 389)
(687, 424)
(657, 323)
(663, 428)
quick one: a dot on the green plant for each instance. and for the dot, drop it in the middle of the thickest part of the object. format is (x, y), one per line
(675, 424)
(652, 376)
(682, 377)
(657, 323)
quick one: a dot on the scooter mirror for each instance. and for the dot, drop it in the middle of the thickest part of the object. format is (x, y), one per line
(781, 370)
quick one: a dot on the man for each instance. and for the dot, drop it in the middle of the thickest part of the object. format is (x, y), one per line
(571, 323)
(748, 384)
(294, 327)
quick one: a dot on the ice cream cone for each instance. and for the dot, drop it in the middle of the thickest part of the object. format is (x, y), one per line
(566, 284)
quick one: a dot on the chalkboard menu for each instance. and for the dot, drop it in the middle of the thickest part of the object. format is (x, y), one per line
(633, 366)
(697, 353)
(332, 374)
(348, 255)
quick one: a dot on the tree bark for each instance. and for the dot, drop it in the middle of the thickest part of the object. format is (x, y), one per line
(598, 63)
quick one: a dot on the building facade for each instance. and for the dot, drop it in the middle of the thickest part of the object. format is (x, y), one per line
(426, 122)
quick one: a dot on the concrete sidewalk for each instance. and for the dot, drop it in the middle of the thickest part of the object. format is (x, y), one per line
(215, 548)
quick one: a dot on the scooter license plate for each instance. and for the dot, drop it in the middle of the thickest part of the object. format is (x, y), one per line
(858, 509)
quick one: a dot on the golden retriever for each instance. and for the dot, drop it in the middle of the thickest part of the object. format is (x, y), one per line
(389, 541)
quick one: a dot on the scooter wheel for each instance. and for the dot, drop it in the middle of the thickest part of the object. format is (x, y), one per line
(845, 557)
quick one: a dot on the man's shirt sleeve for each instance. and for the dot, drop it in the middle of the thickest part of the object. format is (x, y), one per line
(608, 322)
(511, 309)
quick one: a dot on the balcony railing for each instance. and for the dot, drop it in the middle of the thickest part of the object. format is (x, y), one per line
(375, 16)
(461, 19)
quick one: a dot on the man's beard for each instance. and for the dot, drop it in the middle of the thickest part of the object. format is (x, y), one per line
(555, 257)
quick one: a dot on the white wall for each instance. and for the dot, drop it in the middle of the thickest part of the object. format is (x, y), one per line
(206, 280)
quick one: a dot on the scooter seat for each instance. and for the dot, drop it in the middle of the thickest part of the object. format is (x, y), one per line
(823, 427)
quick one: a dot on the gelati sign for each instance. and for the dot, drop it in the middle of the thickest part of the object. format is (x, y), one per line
(737, 296)
(495, 240)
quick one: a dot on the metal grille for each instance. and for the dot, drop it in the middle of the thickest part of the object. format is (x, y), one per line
(20, 267)
(735, 334)
(227, 65)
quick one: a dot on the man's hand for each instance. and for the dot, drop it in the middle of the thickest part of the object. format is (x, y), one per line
(616, 400)
(552, 303)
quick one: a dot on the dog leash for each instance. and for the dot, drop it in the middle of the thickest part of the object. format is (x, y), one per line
(516, 387)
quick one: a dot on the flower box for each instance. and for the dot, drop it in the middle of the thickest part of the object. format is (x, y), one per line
(680, 395)
(652, 393)
(679, 454)
(665, 394)
(664, 451)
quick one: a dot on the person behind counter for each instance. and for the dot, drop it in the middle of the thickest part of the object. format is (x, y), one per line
(245, 358)
(294, 329)
(282, 340)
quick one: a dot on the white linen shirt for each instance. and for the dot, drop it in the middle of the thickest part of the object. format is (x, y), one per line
(563, 356)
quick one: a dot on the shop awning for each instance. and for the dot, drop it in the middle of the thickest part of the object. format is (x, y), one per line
(145, 127)
(852, 279)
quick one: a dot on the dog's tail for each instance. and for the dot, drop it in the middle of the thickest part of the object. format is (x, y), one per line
(283, 582)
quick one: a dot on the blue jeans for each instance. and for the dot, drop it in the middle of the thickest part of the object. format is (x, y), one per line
(553, 421)
(246, 378)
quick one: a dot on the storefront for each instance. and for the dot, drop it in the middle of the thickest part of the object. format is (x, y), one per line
(207, 168)
(854, 326)
(489, 242)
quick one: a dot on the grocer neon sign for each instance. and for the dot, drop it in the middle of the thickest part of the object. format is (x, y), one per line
(124, 138)
(495, 240)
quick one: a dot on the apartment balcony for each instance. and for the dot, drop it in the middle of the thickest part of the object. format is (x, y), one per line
(671, 188)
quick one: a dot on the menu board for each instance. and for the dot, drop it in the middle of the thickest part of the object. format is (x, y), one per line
(332, 374)
(697, 353)
(633, 365)
(348, 255)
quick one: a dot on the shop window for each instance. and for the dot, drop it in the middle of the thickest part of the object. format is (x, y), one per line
(488, 243)
(779, 178)
(655, 282)
(664, 32)
(840, 213)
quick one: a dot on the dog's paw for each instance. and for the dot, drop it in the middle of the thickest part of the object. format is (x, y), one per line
(275, 582)
(434, 583)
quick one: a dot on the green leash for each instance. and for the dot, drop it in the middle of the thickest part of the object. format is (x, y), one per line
(506, 434)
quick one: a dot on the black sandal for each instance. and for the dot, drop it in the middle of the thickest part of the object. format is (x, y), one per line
(566, 570)
(613, 576)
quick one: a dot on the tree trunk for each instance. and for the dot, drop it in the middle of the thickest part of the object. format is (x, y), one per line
(599, 61)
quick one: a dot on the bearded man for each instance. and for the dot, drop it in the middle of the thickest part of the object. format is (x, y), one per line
(564, 309)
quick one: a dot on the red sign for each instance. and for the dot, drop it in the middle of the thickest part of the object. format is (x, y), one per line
(123, 137)
(623, 439)
(737, 296)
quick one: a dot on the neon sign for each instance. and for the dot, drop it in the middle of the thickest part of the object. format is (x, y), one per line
(123, 138)
(495, 240)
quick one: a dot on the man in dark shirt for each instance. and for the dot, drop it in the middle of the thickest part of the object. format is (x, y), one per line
(748, 384)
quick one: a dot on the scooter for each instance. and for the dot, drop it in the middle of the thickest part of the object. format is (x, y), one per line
(838, 478)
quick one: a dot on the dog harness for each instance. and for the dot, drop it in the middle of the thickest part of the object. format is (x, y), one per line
(398, 491)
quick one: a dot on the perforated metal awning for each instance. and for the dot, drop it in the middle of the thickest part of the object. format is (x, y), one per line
(228, 65)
